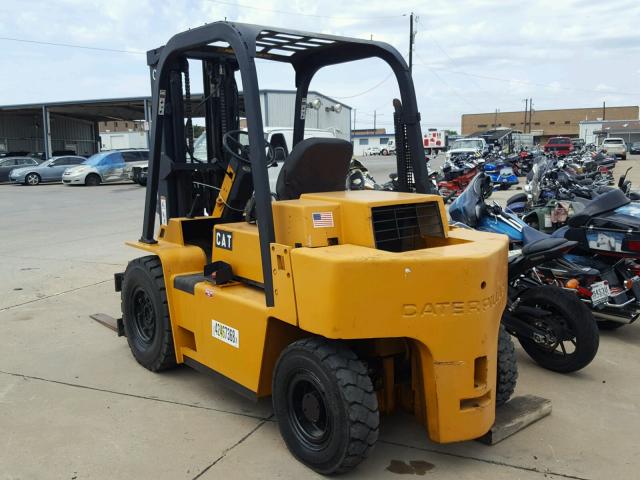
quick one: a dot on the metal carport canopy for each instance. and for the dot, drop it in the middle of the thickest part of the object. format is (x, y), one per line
(130, 108)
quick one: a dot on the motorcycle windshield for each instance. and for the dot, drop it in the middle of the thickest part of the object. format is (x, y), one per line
(537, 172)
(464, 208)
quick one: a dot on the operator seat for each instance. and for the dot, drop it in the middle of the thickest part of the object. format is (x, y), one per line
(315, 165)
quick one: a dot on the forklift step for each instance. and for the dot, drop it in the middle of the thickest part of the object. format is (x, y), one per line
(516, 415)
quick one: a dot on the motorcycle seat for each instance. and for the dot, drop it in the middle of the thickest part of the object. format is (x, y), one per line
(603, 203)
(559, 233)
(543, 245)
(530, 235)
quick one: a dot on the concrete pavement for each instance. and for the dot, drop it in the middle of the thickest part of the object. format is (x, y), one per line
(74, 403)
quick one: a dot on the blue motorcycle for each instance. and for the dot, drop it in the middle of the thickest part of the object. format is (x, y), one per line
(551, 323)
(501, 174)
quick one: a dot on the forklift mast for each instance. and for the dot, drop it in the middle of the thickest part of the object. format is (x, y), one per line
(219, 186)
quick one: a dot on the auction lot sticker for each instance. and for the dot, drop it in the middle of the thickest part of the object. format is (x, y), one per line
(225, 333)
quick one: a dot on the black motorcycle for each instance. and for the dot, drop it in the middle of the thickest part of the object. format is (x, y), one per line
(551, 323)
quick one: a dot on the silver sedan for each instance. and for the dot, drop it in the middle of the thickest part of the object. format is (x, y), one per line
(49, 171)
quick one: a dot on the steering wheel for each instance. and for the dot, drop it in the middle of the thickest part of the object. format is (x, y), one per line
(239, 150)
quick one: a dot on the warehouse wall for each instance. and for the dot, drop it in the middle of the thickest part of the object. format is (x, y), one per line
(550, 122)
(19, 132)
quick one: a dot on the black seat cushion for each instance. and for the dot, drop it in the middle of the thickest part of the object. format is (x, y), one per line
(530, 235)
(544, 244)
(599, 205)
(315, 165)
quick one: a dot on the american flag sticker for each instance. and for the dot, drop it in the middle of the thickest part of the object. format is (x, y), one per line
(322, 219)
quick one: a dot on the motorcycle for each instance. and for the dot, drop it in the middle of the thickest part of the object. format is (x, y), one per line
(359, 178)
(456, 175)
(602, 271)
(553, 326)
(552, 196)
(501, 173)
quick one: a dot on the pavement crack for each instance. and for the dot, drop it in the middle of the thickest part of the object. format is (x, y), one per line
(485, 460)
(227, 450)
(54, 295)
(134, 395)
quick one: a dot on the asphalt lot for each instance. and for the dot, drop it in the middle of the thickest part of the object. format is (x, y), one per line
(74, 403)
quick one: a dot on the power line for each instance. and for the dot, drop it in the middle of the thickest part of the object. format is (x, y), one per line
(437, 44)
(315, 15)
(71, 45)
(453, 89)
(527, 82)
(368, 90)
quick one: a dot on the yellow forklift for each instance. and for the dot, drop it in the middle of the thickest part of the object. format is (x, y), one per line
(340, 305)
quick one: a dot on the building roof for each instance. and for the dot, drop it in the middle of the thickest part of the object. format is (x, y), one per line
(127, 108)
(620, 126)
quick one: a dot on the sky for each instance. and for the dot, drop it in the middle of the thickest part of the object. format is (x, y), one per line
(470, 56)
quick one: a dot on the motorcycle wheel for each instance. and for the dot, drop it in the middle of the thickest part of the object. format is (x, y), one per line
(572, 338)
(507, 368)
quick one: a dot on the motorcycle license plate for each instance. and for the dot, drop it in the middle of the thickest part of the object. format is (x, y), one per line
(514, 253)
(599, 293)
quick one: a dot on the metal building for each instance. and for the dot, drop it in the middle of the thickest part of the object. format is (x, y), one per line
(322, 112)
(47, 128)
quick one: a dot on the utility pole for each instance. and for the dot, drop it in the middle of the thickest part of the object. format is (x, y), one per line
(603, 111)
(354, 118)
(410, 43)
(530, 113)
(495, 119)
(524, 125)
(374, 122)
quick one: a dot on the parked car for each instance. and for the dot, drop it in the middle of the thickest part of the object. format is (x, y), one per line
(372, 151)
(11, 163)
(559, 146)
(49, 171)
(139, 175)
(577, 143)
(615, 146)
(106, 167)
(635, 148)
(463, 146)
(389, 148)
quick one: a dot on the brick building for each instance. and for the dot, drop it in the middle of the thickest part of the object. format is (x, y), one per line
(546, 123)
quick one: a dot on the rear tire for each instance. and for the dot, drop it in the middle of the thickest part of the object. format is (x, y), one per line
(145, 314)
(569, 313)
(507, 368)
(92, 180)
(32, 179)
(325, 403)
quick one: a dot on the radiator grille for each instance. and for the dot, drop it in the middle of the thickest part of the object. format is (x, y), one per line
(400, 228)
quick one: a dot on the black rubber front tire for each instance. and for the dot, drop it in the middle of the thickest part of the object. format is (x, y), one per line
(326, 407)
(507, 368)
(92, 180)
(145, 314)
(568, 310)
(517, 198)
